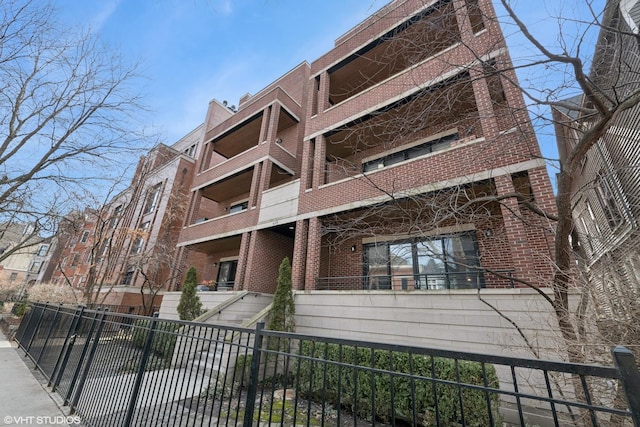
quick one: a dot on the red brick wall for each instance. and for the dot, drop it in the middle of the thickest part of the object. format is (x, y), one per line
(269, 251)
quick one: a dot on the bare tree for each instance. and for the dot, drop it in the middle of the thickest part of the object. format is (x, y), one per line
(67, 105)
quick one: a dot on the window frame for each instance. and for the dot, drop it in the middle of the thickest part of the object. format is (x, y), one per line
(451, 279)
(413, 151)
(152, 199)
(43, 250)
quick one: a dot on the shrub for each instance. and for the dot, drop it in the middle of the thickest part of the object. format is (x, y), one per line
(283, 310)
(359, 389)
(162, 344)
(189, 306)
(54, 294)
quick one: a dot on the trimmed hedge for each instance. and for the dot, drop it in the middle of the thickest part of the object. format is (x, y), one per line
(358, 390)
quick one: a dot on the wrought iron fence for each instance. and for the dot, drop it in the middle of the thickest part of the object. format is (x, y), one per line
(115, 369)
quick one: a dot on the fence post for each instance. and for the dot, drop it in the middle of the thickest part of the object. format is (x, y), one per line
(61, 362)
(252, 389)
(630, 377)
(87, 365)
(140, 375)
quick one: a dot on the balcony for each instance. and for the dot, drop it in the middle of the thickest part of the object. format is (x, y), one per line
(254, 109)
(201, 234)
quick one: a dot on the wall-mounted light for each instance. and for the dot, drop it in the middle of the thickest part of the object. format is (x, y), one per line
(488, 232)
(353, 248)
(215, 264)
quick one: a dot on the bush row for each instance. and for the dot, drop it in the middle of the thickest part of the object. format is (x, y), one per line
(387, 394)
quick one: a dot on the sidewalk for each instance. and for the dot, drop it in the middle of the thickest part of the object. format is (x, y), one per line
(23, 400)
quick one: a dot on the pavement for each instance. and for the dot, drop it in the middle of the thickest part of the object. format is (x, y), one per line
(24, 400)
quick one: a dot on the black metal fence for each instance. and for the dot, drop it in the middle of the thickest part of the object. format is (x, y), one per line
(115, 369)
(473, 279)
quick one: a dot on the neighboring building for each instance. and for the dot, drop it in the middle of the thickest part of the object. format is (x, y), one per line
(606, 191)
(114, 251)
(352, 165)
(28, 262)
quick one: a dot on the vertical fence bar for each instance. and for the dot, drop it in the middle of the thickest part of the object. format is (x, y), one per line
(35, 330)
(626, 364)
(72, 384)
(51, 328)
(61, 356)
(141, 369)
(24, 326)
(253, 376)
(87, 365)
(67, 347)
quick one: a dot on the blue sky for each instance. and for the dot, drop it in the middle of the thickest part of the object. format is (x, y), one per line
(195, 50)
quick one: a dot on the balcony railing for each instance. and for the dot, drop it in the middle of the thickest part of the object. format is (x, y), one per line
(451, 280)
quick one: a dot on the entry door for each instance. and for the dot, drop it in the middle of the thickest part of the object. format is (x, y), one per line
(227, 274)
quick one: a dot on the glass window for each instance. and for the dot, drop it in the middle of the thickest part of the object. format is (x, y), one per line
(42, 250)
(449, 262)
(116, 216)
(461, 262)
(239, 207)
(401, 265)
(153, 196)
(410, 153)
(35, 267)
(85, 236)
(607, 201)
(128, 277)
(431, 265)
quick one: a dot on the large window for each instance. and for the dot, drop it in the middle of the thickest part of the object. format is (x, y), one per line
(138, 243)
(35, 267)
(410, 153)
(444, 262)
(607, 201)
(153, 196)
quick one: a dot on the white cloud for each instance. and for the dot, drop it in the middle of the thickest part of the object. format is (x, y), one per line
(107, 9)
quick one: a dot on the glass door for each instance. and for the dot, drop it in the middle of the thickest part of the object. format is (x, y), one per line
(227, 275)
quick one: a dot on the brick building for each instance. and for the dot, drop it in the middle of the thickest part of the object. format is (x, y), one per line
(387, 163)
(113, 251)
